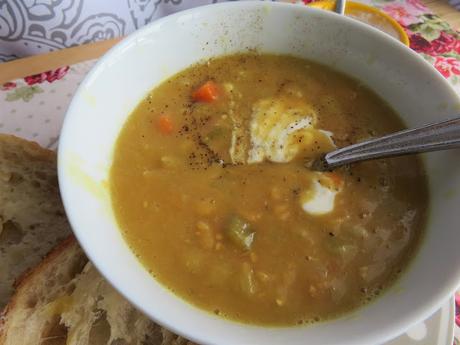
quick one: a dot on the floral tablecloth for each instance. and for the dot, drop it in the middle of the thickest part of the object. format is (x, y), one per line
(33, 107)
(429, 35)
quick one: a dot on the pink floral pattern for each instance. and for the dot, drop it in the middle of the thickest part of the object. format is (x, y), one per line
(430, 36)
(447, 66)
(406, 14)
(8, 86)
(26, 92)
(444, 44)
(416, 4)
(49, 76)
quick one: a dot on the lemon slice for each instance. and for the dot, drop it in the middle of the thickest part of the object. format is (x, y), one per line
(369, 15)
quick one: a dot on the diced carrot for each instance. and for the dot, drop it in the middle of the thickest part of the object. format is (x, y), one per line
(208, 92)
(165, 124)
(336, 179)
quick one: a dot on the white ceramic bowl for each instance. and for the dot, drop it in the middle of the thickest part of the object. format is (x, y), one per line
(144, 59)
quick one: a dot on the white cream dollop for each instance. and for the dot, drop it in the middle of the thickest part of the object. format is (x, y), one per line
(320, 198)
(280, 129)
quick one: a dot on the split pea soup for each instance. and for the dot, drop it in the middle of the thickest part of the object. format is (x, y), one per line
(211, 187)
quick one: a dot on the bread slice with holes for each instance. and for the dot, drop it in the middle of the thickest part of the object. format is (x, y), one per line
(65, 301)
(32, 219)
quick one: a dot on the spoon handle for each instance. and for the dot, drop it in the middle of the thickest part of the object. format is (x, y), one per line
(340, 6)
(435, 137)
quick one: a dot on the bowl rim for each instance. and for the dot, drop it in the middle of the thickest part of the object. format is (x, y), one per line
(415, 315)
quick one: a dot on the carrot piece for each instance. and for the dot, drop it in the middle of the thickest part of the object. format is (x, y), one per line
(336, 179)
(208, 92)
(165, 124)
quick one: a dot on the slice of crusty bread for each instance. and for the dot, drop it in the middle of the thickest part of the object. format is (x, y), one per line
(65, 301)
(32, 219)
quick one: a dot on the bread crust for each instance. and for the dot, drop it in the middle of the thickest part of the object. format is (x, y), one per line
(24, 278)
(28, 277)
(31, 147)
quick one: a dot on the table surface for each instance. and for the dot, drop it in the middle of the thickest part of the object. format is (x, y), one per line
(39, 63)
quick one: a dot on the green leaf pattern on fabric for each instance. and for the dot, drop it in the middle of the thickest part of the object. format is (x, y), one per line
(24, 93)
(430, 28)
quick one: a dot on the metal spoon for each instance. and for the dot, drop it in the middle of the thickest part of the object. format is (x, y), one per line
(340, 6)
(435, 137)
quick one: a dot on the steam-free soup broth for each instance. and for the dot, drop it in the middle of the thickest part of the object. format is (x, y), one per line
(211, 186)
